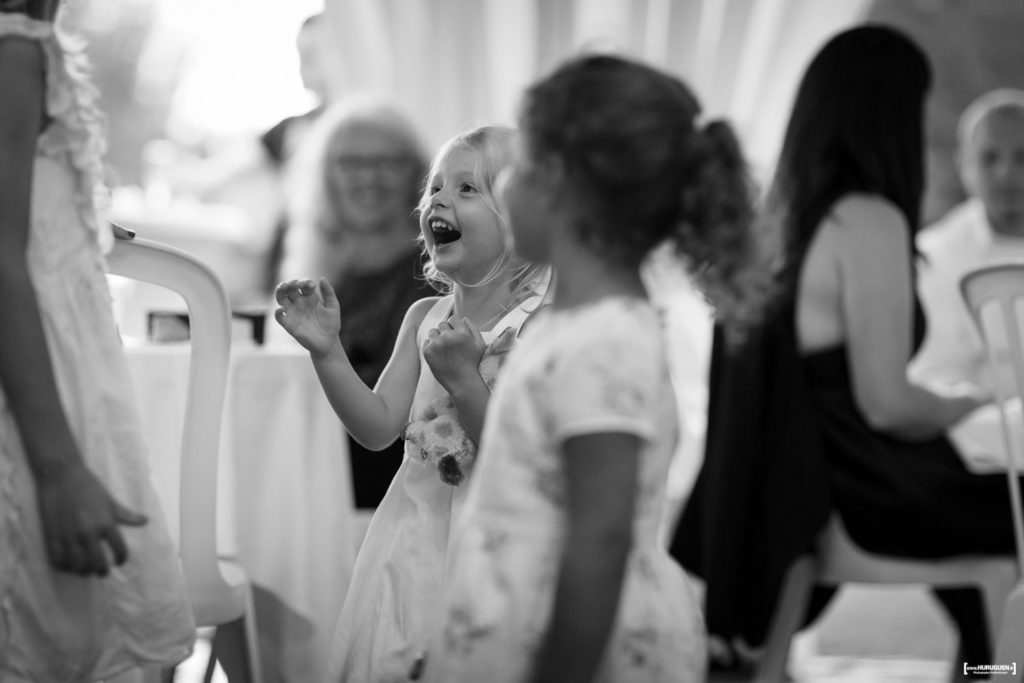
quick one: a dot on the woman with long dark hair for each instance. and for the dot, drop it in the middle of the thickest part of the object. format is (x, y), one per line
(832, 412)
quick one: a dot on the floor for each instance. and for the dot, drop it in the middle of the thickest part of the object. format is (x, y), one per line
(868, 635)
(877, 635)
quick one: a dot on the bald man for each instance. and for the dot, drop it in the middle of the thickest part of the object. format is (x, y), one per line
(988, 226)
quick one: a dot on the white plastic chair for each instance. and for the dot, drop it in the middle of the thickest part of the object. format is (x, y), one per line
(219, 591)
(837, 560)
(1000, 287)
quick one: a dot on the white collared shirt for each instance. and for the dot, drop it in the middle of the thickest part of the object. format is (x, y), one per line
(963, 239)
(953, 351)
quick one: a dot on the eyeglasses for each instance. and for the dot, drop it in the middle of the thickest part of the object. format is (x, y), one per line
(381, 163)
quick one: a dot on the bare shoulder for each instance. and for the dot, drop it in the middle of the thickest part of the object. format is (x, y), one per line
(418, 311)
(864, 227)
(21, 57)
(858, 214)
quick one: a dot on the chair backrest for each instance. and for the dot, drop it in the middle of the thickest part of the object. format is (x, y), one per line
(999, 287)
(210, 334)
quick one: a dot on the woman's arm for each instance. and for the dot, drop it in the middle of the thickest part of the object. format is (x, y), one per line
(78, 514)
(601, 475)
(874, 256)
(374, 417)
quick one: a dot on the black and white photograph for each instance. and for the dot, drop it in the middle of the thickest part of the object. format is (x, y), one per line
(511, 341)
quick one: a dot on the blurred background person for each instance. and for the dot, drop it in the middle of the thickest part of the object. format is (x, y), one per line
(353, 191)
(221, 196)
(284, 137)
(986, 227)
(221, 177)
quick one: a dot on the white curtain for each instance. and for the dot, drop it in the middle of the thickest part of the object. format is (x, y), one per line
(456, 63)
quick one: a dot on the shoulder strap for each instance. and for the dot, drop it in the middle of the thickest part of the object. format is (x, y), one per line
(518, 315)
(438, 312)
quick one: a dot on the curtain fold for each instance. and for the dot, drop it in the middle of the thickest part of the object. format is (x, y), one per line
(455, 63)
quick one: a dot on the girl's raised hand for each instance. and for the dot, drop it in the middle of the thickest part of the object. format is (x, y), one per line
(453, 351)
(309, 312)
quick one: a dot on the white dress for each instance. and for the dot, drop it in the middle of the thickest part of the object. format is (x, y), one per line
(599, 368)
(391, 607)
(58, 627)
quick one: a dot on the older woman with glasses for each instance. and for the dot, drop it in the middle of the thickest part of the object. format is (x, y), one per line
(353, 190)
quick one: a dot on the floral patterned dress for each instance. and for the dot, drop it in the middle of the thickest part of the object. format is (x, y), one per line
(392, 605)
(598, 368)
(58, 627)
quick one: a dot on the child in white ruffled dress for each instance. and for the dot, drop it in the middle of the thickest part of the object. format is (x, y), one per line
(433, 393)
(90, 583)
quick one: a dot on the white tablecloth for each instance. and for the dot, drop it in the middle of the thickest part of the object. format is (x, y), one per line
(285, 500)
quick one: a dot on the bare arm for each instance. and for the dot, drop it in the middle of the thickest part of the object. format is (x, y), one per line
(471, 401)
(374, 417)
(77, 513)
(877, 302)
(24, 362)
(601, 471)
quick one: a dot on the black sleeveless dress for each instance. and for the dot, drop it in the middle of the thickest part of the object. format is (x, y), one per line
(898, 497)
(786, 446)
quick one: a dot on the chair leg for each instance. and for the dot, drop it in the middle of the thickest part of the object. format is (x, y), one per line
(234, 646)
(228, 648)
(789, 616)
(1009, 638)
(211, 662)
(252, 639)
(996, 592)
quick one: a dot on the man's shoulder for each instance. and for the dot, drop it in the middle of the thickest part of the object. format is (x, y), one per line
(956, 231)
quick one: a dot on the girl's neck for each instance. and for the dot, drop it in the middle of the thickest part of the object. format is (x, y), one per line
(484, 305)
(584, 277)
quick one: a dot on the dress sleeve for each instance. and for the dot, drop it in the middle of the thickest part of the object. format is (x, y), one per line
(608, 383)
(76, 129)
(273, 141)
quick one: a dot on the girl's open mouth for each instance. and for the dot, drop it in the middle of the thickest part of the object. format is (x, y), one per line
(443, 231)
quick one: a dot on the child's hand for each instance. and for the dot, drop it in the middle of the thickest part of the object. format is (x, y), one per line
(453, 352)
(310, 313)
(79, 517)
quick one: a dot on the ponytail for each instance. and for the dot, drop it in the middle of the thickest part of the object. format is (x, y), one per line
(715, 231)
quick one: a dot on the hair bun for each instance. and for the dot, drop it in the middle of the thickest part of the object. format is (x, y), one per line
(715, 227)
